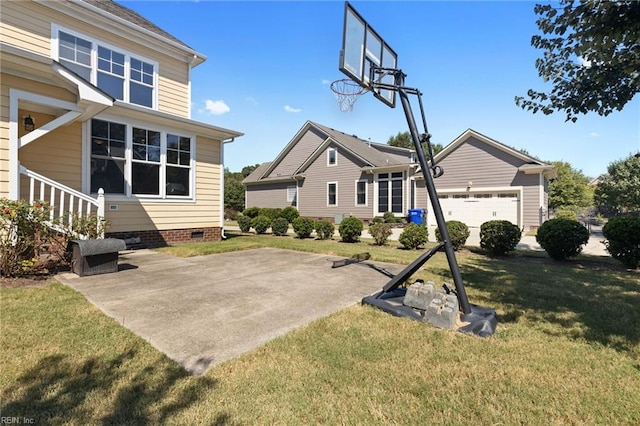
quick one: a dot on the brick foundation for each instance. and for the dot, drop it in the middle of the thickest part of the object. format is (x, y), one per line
(157, 238)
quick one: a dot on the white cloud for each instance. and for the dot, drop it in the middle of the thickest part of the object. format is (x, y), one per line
(594, 134)
(252, 101)
(289, 108)
(216, 107)
(325, 82)
(584, 62)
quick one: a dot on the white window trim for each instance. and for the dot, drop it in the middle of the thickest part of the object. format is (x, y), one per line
(329, 151)
(128, 195)
(376, 194)
(55, 54)
(366, 193)
(336, 204)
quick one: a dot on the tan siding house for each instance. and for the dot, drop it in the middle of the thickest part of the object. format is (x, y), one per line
(335, 175)
(108, 94)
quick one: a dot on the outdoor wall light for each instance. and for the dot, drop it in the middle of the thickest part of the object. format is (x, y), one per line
(469, 185)
(29, 123)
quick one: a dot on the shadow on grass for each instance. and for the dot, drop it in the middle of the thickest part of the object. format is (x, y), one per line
(59, 389)
(580, 298)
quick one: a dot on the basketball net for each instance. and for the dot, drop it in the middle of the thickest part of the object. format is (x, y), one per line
(347, 92)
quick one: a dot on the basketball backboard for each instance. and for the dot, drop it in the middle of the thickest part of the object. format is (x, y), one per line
(363, 48)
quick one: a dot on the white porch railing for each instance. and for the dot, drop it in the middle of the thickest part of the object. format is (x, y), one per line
(64, 202)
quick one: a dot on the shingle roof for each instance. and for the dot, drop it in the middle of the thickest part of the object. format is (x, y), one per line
(127, 14)
(364, 149)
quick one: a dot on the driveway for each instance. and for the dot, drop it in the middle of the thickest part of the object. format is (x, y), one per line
(204, 310)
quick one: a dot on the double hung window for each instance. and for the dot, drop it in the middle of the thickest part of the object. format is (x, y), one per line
(390, 192)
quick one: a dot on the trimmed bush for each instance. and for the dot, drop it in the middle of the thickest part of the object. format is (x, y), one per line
(350, 229)
(261, 224)
(303, 227)
(244, 222)
(623, 240)
(280, 226)
(380, 233)
(270, 212)
(562, 238)
(414, 236)
(251, 212)
(458, 233)
(377, 219)
(290, 213)
(389, 217)
(324, 229)
(499, 236)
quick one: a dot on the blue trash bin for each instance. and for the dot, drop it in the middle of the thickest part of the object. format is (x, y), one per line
(416, 216)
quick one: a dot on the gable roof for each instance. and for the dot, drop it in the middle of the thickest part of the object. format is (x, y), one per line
(532, 164)
(368, 152)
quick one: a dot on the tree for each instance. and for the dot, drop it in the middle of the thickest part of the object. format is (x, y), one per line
(404, 140)
(233, 191)
(620, 188)
(247, 170)
(570, 189)
(591, 55)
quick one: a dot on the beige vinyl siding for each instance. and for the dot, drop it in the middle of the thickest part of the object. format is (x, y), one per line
(144, 215)
(269, 195)
(312, 196)
(27, 25)
(299, 153)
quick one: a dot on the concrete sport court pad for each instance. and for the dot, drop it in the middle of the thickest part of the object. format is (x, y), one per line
(204, 310)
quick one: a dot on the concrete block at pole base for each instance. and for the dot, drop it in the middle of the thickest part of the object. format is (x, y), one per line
(419, 295)
(442, 311)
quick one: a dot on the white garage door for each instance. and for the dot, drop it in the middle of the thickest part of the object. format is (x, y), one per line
(474, 209)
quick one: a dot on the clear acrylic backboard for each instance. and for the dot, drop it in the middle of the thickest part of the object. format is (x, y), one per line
(363, 48)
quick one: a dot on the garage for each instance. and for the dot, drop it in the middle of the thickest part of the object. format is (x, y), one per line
(475, 208)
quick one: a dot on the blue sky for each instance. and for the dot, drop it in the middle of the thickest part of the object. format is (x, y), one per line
(269, 65)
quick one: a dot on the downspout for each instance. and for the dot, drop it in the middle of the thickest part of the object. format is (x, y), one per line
(224, 237)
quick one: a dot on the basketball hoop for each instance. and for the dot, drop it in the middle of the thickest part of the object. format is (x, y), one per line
(347, 93)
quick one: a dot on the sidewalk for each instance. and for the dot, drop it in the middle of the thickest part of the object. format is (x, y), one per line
(594, 247)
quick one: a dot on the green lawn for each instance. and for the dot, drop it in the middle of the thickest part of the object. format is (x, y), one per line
(566, 351)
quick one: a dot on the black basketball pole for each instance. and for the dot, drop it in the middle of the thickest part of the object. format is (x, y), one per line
(433, 195)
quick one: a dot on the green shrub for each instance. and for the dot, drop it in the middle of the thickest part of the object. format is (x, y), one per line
(270, 212)
(389, 217)
(280, 226)
(562, 238)
(231, 214)
(377, 219)
(458, 233)
(414, 236)
(303, 227)
(22, 227)
(290, 213)
(324, 229)
(350, 229)
(380, 233)
(499, 236)
(251, 212)
(623, 240)
(244, 222)
(261, 224)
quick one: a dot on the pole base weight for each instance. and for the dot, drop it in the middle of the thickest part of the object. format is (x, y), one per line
(480, 321)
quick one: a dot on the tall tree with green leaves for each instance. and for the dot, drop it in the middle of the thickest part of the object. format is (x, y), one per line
(591, 57)
(233, 190)
(620, 188)
(404, 140)
(571, 189)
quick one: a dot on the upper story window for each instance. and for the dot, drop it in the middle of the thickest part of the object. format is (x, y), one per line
(123, 75)
(332, 157)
